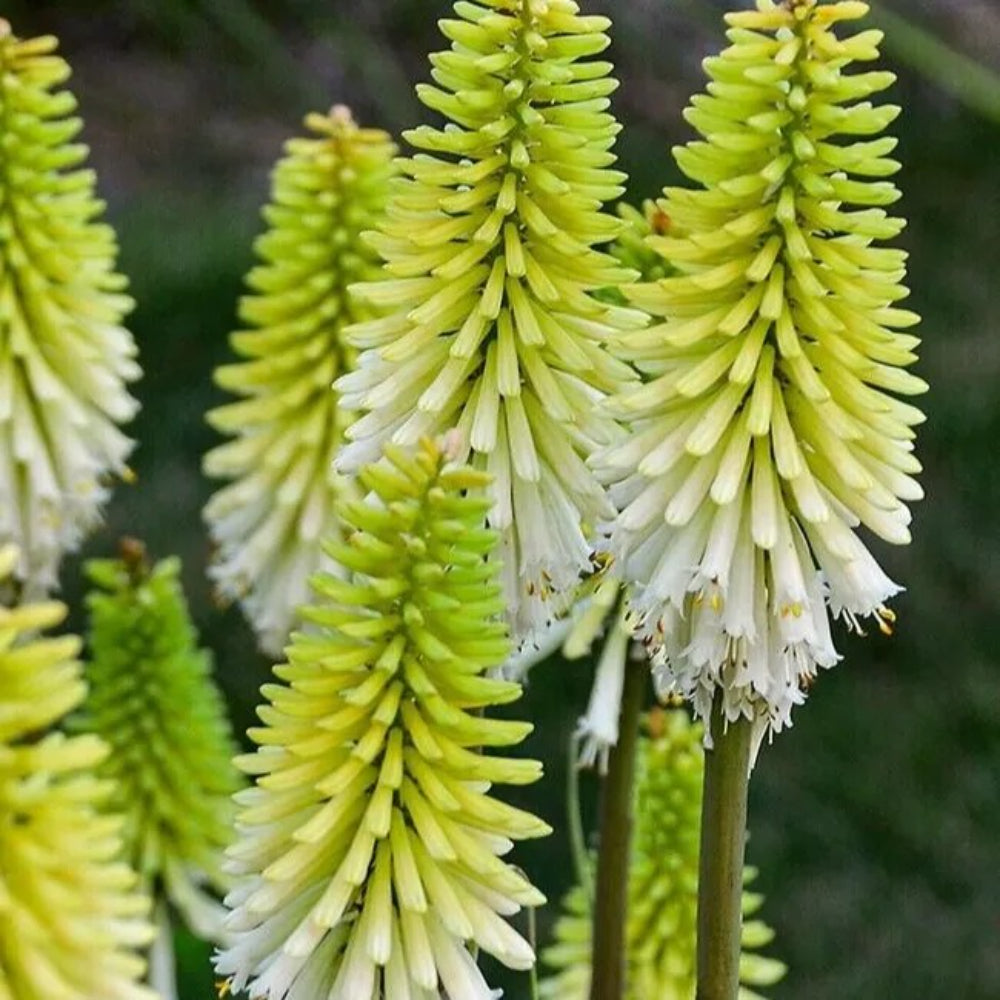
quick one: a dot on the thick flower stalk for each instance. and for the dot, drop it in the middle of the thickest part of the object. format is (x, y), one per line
(152, 698)
(769, 430)
(268, 521)
(487, 322)
(663, 884)
(70, 916)
(65, 358)
(369, 850)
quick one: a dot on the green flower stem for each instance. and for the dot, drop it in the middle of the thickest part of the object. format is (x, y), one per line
(582, 867)
(533, 941)
(611, 904)
(723, 839)
(974, 84)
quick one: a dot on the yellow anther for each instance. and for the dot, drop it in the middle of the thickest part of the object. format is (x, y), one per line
(224, 987)
(601, 561)
(128, 476)
(886, 619)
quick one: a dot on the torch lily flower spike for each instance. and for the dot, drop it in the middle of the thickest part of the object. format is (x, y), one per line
(369, 852)
(153, 700)
(486, 321)
(65, 358)
(268, 521)
(770, 432)
(71, 918)
(663, 885)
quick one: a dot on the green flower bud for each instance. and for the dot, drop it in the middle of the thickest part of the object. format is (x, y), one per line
(769, 429)
(71, 920)
(632, 246)
(267, 523)
(663, 884)
(487, 322)
(152, 698)
(369, 849)
(65, 358)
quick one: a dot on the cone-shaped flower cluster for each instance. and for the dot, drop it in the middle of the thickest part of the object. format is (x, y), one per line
(370, 848)
(326, 191)
(487, 322)
(769, 429)
(663, 884)
(152, 698)
(70, 918)
(65, 359)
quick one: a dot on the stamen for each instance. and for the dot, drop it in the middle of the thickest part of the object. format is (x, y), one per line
(886, 618)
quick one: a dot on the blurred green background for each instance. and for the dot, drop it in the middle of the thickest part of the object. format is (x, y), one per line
(876, 820)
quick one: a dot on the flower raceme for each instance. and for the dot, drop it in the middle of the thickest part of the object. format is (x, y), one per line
(70, 916)
(268, 522)
(152, 699)
(769, 429)
(369, 851)
(486, 319)
(663, 884)
(65, 358)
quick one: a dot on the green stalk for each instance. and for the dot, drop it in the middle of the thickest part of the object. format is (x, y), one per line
(974, 84)
(611, 894)
(723, 839)
(577, 838)
(533, 941)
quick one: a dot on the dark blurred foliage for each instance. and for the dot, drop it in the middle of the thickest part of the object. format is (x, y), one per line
(876, 821)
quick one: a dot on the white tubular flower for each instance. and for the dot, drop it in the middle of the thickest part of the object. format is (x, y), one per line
(65, 358)
(488, 324)
(598, 729)
(327, 190)
(769, 430)
(600, 612)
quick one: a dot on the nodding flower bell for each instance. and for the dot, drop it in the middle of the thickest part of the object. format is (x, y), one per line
(71, 918)
(153, 700)
(663, 884)
(65, 358)
(486, 319)
(769, 430)
(267, 523)
(369, 851)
